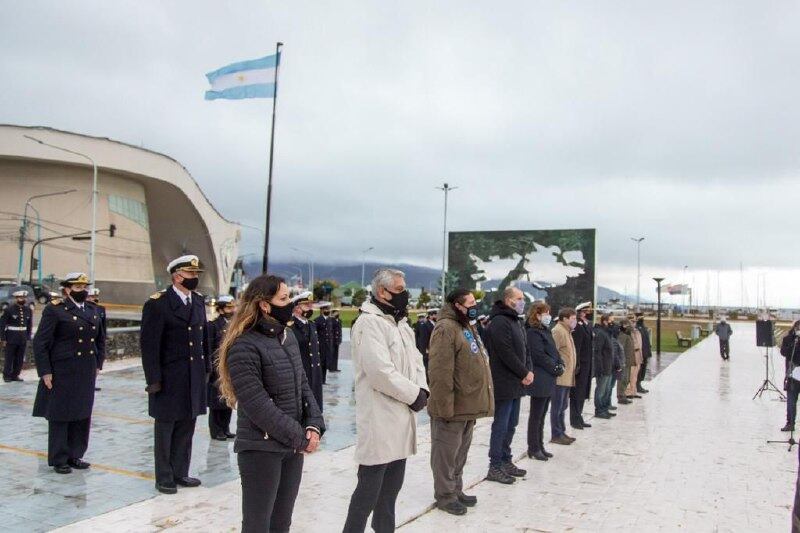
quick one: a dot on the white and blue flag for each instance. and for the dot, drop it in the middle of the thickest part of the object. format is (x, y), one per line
(246, 79)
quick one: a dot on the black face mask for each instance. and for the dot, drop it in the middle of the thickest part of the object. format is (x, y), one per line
(307, 314)
(190, 283)
(20, 302)
(398, 300)
(282, 314)
(472, 312)
(326, 313)
(79, 296)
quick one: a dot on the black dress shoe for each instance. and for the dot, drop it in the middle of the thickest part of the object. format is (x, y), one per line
(455, 508)
(642, 390)
(18, 379)
(8, 380)
(187, 481)
(79, 464)
(467, 500)
(219, 437)
(603, 415)
(548, 454)
(230, 435)
(586, 425)
(624, 401)
(612, 407)
(97, 389)
(166, 488)
(538, 455)
(576, 426)
(612, 414)
(62, 469)
(787, 427)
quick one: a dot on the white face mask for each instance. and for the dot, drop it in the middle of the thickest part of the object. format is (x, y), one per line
(545, 320)
(573, 323)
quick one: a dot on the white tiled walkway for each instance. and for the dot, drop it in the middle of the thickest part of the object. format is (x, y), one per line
(691, 456)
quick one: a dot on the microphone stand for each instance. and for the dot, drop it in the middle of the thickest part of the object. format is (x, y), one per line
(790, 441)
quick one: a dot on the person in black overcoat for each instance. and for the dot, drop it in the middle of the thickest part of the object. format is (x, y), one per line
(94, 297)
(219, 416)
(176, 367)
(337, 340)
(16, 324)
(308, 341)
(324, 325)
(547, 365)
(647, 352)
(425, 330)
(583, 336)
(69, 349)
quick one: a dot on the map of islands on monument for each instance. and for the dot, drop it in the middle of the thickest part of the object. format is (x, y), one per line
(557, 266)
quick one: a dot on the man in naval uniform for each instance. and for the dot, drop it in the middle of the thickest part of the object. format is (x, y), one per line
(176, 367)
(306, 333)
(324, 324)
(15, 330)
(219, 416)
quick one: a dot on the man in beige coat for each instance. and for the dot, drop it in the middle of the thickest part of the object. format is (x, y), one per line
(562, 336)
(461, 392)
(390, 388)
(636, 335)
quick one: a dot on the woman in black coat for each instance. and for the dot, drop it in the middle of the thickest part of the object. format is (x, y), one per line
(547, 366)
(278, 419)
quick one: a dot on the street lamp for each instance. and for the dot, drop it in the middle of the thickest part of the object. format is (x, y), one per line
(658, 316)
(38, 229)
(446, 188)
(638, 241)
(364, 263)
(94, 199)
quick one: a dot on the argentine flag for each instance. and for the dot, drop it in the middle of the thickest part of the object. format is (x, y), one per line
(246, 79)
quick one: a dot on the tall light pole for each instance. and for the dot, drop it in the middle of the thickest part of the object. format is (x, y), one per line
(446, 188)
(94, 199)
(658, 316)
(638, 241)
(23, 228)
(364, 263)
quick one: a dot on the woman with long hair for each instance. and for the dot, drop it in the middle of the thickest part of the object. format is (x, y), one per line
(547, 366)
(278, 419)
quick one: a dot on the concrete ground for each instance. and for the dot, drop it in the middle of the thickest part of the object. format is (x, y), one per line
(691, 455)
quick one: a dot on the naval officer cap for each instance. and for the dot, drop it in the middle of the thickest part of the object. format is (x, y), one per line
(185, 263)
(73, 278)
(94, 292)
(303, 297)
(433, 310)
(224, 300)
(325, 305)
(585, 306)
(19, 294)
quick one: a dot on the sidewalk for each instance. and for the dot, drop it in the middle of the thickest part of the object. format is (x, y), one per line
(691, 456)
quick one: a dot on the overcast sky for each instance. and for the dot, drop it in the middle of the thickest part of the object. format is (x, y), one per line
(678, 121)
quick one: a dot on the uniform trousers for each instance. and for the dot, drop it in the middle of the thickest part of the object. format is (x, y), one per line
(334, 363)
(450, 442)
(219, 422)
(630, 390)
(67, 440)
(642, 373)
(173, 449)
(376, 493)
(14, 358)
(270, 483)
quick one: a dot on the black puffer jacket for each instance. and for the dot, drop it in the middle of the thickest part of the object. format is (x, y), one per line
(275, 403)
(507, 355)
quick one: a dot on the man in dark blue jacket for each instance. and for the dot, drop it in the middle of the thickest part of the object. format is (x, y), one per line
(306, 333)
(176, 367)
(324, 325)
(511, 373)
(16, 323)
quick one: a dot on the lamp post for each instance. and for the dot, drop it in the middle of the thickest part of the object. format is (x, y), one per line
(23, 228)
(94, 199)
(658, 316)
(446, 188)
(364, 263)
(638, 241)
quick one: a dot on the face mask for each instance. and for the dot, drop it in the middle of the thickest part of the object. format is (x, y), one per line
(227, 314)
(79, 296)
(399, 301)
(519, 307)
(326, 313)
(545, 320)
(307, 314)
(20, 302)
(190, 283)
(472, 312)
(282, 314)
(573, 323)
(589, 317)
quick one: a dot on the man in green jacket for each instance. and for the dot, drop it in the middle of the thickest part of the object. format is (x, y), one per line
(461, 392)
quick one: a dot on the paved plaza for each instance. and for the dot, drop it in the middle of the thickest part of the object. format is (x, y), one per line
(692, 456)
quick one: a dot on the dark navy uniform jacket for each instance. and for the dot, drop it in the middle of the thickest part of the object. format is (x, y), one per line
(175, 355)
(337, 331)
(69, 344)
(306, 335)
(16, 324)
(215, 334)
(324, 333)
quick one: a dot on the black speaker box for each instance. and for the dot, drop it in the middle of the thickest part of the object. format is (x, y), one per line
(765, 333)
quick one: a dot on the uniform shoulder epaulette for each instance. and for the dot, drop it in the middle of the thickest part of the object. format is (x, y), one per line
(56, 301)
(157, 295)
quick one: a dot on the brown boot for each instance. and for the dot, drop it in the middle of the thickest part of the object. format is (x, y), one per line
(563, 439)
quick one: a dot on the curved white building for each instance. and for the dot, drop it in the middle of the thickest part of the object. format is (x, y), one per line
(158, 209)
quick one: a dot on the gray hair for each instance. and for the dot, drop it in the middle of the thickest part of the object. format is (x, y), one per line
(509, 292)
(384, 278)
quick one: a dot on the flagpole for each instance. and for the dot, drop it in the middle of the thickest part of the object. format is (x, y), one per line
(265, 261)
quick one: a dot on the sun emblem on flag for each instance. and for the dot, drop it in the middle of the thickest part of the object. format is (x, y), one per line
(240, 77)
